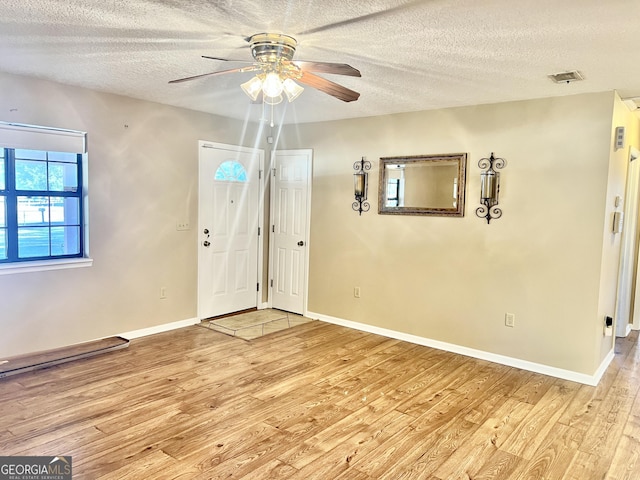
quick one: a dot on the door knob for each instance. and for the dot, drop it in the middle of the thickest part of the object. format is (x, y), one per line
(301, 243)
(206, 231)
(206, 243)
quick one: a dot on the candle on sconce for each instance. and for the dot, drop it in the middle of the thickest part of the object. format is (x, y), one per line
(359, 184)
(487, 185)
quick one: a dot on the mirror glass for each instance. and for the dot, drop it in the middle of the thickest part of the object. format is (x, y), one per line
(423, 185)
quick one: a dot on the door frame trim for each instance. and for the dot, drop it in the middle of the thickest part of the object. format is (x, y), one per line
(261, 237)
(272, 165)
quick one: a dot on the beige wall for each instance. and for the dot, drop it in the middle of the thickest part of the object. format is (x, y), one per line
(550, 259)
(453, 279)
(142, 180)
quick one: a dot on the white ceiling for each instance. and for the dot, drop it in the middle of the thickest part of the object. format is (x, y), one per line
(413, 54)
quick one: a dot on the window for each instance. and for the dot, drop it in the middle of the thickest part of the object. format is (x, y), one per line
(231, 171)
(393, 193)
(41, 194)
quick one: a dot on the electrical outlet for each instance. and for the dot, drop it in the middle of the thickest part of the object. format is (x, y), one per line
(182, 225)
(356, 292)
(510, 319)
(163, 292)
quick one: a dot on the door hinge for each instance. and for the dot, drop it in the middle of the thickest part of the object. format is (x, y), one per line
(259, 174)
(258, 231)
(258, 287)
(272, 283)
(274, 172)
(273, 229)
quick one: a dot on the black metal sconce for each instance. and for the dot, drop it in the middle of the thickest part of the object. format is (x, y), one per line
(490, 187)
(360, 185)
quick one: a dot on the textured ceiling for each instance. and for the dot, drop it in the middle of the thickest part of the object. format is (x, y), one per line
(413, 55)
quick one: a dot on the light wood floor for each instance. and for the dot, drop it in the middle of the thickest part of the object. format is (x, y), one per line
(320, 401)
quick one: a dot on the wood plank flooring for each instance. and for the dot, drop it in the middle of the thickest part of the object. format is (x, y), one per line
(319, 401)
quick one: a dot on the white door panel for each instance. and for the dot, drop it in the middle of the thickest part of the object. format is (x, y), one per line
(229, 206)
(290, 213)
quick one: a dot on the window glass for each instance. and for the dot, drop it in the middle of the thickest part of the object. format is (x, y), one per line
(2, 169)
(33, 211)
(31, 175)
(231, 171)
(3, 243)
(64, 210)
(48, 226)
(62, 157)
(63, 177)
(23, 154)
(64, 240)
(3, 229)
(33, 242)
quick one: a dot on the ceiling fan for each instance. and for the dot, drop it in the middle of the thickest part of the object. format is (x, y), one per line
(278, 72)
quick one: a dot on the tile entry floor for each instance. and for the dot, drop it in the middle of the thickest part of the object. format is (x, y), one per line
(250, 325)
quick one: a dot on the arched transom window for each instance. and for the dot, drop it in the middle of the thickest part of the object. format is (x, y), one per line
(231, 171)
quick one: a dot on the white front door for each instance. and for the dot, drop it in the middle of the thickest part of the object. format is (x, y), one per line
(290, 203)
(228, 218)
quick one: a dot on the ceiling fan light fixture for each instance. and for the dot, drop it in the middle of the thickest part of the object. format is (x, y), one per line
(273, 100)
(252, 88)
(272, 85)
(291, 89)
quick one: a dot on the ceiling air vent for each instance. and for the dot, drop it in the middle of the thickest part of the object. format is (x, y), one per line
(566, 77)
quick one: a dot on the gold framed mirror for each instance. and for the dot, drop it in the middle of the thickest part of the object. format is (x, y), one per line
(423, 185)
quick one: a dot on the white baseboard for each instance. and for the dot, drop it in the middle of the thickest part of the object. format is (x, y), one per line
(603, 367)
(143, 332)
(627, 330)
(471, 352)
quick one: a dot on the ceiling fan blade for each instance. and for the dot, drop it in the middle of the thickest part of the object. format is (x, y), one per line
(368, 16)
(226, 59)
(327, 86)
(252, 68)
(326, 67)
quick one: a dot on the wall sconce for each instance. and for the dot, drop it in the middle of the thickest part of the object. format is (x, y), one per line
(360, 185)
(490, 187)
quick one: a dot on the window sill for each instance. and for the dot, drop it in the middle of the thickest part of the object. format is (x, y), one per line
(43, 265)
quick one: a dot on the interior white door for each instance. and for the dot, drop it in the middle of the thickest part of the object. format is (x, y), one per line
(627, 271)
(229, 203)
(631, 224)
(290, 203)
